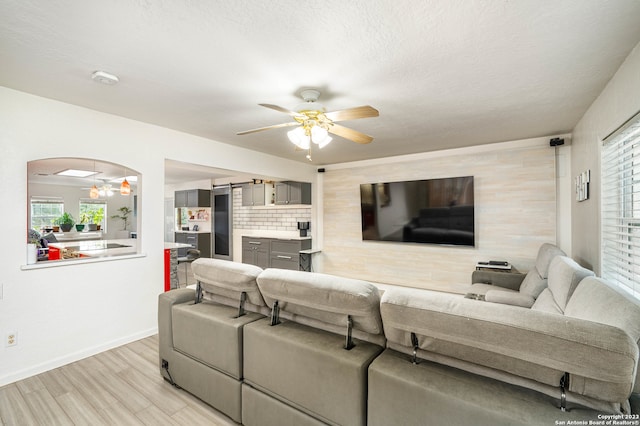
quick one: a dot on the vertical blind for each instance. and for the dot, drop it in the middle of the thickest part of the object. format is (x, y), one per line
(620, 166)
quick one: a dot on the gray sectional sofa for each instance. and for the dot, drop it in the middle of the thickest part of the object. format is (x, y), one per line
(279, 347)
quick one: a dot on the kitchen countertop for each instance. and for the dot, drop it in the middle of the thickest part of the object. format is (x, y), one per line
(280, 235)
(78, 236)
(174, 246)
(100, 248)
(193, 232)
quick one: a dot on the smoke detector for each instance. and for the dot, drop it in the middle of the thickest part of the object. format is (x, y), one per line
(104, 78)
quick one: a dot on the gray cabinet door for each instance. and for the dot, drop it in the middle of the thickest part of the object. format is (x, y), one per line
(285, 254)
(180, 198)
(253, 194)
(293, 193)
(193, 198)
(282, 193)
(255, 251)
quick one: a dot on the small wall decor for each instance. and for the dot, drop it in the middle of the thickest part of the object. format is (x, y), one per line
(582, 185)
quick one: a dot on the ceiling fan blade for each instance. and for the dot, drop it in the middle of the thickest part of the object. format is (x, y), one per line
(279, 108)
(347, 133)
(352, 113)
(275, 126)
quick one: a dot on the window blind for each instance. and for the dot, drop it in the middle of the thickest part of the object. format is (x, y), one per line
(620, 208)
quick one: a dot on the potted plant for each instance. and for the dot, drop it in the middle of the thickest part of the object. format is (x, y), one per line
(65, 222)
(96, 219)
(33, 244)
(123, 216)
(83, 219)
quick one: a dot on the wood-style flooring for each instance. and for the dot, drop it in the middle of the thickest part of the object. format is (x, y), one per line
(122, 386)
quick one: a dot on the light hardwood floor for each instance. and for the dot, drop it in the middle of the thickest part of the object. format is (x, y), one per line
(122, 386)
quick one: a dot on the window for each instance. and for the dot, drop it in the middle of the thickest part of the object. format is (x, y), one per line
(44, 210)
(620, 159)
(94, 212)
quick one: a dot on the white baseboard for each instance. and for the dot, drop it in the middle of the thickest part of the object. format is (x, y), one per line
(73, 357)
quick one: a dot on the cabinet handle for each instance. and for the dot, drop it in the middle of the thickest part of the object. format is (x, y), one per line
(255, 242)
(284, 257)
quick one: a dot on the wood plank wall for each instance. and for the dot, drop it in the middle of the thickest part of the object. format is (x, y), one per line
(515, 212)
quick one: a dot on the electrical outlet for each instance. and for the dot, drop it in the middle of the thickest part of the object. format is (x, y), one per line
(12, 339)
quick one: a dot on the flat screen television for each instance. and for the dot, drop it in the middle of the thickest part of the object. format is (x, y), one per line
(431, 211)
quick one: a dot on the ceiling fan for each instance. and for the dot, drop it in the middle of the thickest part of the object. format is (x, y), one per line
(106, 189)
(314, 124)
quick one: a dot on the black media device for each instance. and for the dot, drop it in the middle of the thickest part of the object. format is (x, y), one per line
(431, 211)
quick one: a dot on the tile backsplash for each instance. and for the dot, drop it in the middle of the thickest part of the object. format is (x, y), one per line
(267, 218)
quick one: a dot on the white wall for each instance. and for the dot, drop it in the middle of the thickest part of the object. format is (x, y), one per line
(618, 102)
(65, 313)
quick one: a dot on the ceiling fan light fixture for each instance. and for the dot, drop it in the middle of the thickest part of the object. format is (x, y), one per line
(299, 138)
(320, 136)
(324, 142)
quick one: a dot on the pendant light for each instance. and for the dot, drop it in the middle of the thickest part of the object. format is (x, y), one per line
(93, 192)
(125, 188)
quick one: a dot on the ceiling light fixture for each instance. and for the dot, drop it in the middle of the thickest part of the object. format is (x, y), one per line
(105, 190)
(105, 78)
(125, 188)
(76, 173)
(314, 126)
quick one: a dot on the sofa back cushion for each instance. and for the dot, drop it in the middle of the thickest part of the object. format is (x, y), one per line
(598, 301)
(223, 281)
(536, 280)
(564, 276)
(324, 301)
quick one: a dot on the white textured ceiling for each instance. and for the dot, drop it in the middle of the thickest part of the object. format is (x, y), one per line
(442, 73)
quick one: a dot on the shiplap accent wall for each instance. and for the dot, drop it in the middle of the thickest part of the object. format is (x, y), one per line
(515, 212)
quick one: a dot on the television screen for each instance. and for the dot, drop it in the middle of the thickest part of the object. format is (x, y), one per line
(433, 211)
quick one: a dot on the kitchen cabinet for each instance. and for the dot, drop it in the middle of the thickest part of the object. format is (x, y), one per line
(255, 251)
(256, 194)
(293, 193)
(198, 240)
(193, 198)
(285, 254)
(273, 252)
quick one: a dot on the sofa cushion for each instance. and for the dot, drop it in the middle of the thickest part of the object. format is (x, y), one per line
(564, 276)
(402, 393)
(536, 280)
(528, 347)
(212, 334)
(224, 281)
(309, 369)
(323, 301)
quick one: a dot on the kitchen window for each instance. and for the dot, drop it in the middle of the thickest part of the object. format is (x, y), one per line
(620, 208)
(94, 212)
(44, 210)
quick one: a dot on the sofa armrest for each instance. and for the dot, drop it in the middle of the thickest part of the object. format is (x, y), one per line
(528, 343)
(165, 305)
(510, 280)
